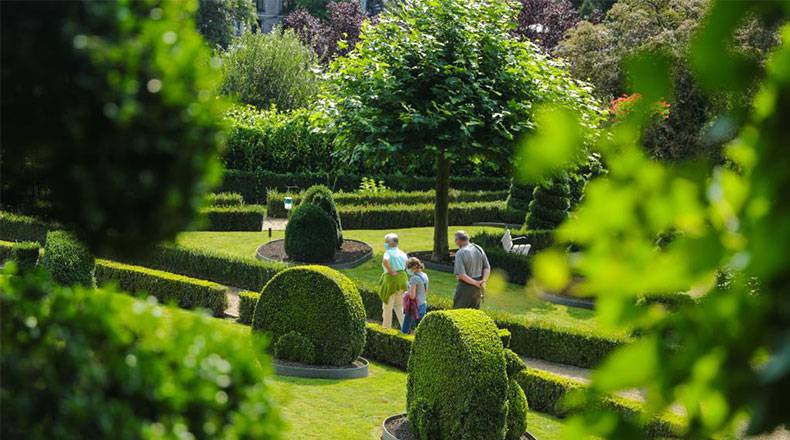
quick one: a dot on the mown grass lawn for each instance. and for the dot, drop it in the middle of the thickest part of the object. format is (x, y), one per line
(508, 297)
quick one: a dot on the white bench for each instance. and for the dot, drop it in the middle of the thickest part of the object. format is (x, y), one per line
(512, 248)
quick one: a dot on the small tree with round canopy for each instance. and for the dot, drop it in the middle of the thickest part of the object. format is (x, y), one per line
(444, 81)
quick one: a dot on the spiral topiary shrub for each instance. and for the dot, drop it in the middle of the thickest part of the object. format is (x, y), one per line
(68, 261)
(292, 346)
(310, 235)
(458, 384)
(321, 196)
(519, 196)
(550, 204)
(319, 303)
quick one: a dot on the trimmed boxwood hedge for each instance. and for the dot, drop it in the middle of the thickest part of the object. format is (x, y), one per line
(231, 218)
(15, 227)
(24, 254)
(188, 293)
(224, 199)
(412, 216)
(275, 200)
(517, 267)
(253, 186)
(519, 195)
(311, 235)
(68, 261)
(457, 371)
(292, 346)
(247, 301)
(321, 196)
(322, 305)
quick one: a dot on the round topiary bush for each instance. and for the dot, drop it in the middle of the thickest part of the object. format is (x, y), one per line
(68, 261)
(321, 196)
(292, 346)
(550, 204)
(458, 384)
(319, 303)
(519, 196)
(310, 235)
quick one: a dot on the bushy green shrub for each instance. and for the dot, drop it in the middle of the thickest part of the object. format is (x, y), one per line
(550, 204)
(15, 227)
(224, 199)
(294, 347)
(516, 399)
(387, 345)
(219, 20)
(271, 69)
(519, 195)
(68, 261)
(247, 301)
(232, 218)
(254, 184)
(277, 141)
(133, 147)
(457, 366)
(24, 254)
(127, 369)
(310, 235)
(186, 292)
(321, 304)
(321, 196)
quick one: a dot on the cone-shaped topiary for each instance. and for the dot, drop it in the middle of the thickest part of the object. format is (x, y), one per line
(68, 260)
(310, 235)
(457, 385)
(519, 196)
(321, 196)
(550, 204)
(319, 303)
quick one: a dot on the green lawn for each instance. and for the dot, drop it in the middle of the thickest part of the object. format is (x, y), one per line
(501, 296)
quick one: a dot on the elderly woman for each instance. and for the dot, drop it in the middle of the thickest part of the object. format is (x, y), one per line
(393, 280)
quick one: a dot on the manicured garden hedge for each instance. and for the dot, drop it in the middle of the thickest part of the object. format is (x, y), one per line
(24, 253)
(516, 267)
(15, 227)
(276, 208)
(68, 260)
(224, 199)
(253, 186)
(188, 293)
(232, 218)
(225, 269)
(412, 216)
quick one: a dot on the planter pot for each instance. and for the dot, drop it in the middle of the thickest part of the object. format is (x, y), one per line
(398, 428)
(293, 369)
(352, 254)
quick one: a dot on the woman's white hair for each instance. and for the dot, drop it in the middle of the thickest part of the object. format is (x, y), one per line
(391, 238)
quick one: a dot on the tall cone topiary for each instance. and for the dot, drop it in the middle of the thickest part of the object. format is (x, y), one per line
(550, 204)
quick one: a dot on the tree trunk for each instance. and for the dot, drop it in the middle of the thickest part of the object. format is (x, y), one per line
(440, 214)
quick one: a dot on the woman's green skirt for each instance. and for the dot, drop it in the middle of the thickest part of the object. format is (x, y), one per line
(392, 284)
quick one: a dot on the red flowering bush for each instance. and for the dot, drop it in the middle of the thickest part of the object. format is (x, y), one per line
(621, 107)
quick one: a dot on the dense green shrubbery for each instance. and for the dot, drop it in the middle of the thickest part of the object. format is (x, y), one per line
(321, 304)
(275, 141)
(253, 185)
(550, 204)
(516, 267)
(275, 199)
(208, 265)
(310, 235)
(133, 145)
(220, 20)
(15, 227)
(292, 346)
(412, 216)
(25, 254)
(271, 69)
(247, 301)
(232, 218)
(127, 370)
(68, 260)
(519, 195)
(387, 345)
(457, 368)
(321, 196)
(224, 200)
(188, 293)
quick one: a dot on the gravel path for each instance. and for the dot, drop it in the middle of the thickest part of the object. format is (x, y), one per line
(277, 224)
(232, 294)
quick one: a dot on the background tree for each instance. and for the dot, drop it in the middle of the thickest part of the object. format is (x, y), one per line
(444, 82)
(115, 114)
(343, 22)
(545, 21)
(220, 20)
(270, 69)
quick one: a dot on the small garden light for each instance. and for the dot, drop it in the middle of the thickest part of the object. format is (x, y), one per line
(289, 203)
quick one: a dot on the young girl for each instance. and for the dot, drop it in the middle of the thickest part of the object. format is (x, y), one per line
(415, 302)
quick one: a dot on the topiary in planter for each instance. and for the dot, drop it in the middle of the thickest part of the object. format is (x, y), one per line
(550, 204)
(457, 385)
(519, 196)
(321, 196)
(322, 305)
(310, 235)
(68, 260)
(292, 346)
